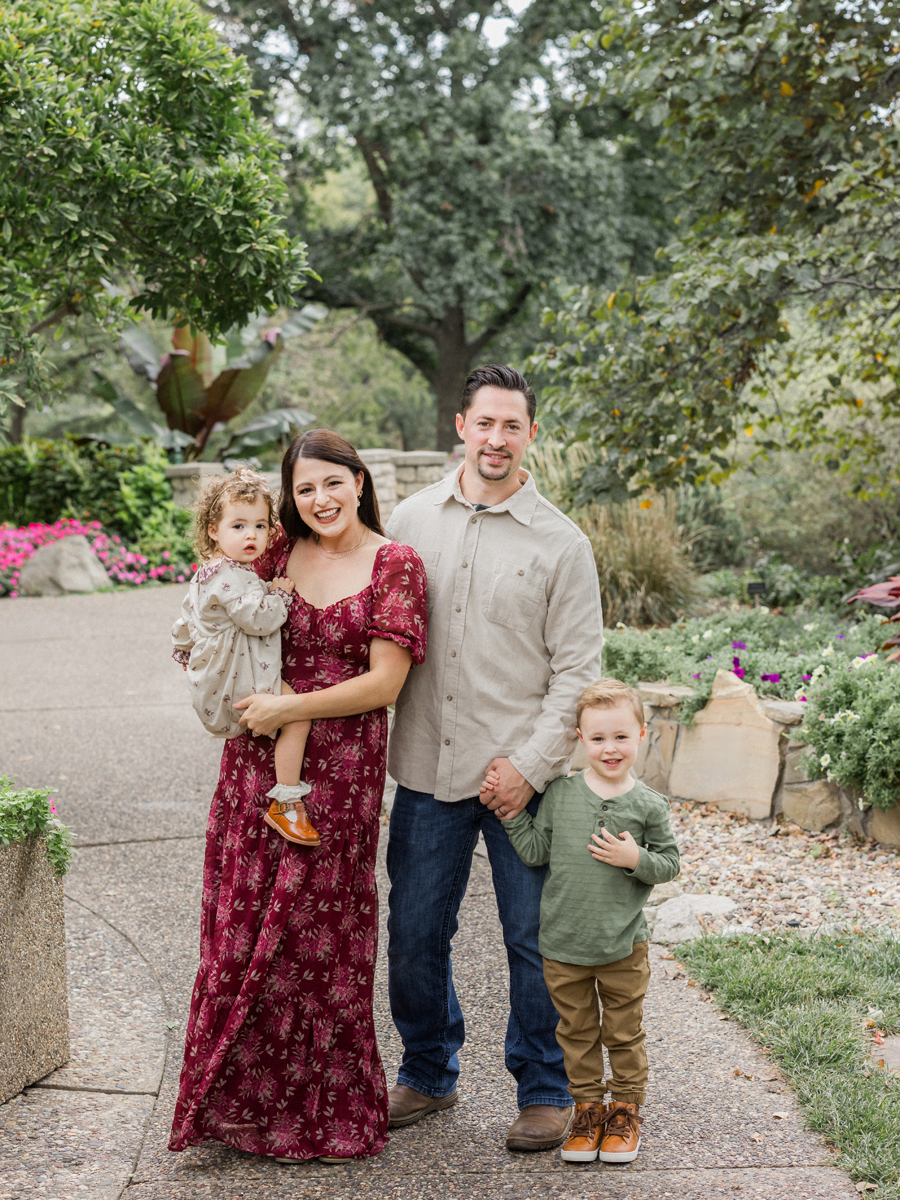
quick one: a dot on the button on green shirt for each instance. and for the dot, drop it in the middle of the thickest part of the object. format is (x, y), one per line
(591, 912)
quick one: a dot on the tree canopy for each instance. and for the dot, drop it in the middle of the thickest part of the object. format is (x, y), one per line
(783, 116)
(130, 154)
(489, 180)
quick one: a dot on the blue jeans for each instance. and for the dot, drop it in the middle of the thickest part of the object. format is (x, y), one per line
(429, 858)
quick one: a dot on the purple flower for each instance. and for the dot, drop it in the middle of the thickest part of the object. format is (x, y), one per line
(737, 668)
(841, 635)
(697, 676)
(806, 678)
(738, 645)
(770, 678)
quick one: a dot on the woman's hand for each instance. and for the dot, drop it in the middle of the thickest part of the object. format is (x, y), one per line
(263, 713)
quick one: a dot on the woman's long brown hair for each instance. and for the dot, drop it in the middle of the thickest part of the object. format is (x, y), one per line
(327, 446)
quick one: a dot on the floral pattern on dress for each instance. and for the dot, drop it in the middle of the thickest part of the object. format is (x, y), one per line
(281, 1056)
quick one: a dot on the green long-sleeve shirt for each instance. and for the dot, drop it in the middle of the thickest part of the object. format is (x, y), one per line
(591, 912)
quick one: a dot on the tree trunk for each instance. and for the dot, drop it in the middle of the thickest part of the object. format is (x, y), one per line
(454, 363)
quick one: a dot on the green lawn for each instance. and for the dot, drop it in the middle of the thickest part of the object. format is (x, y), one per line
(815, 1003)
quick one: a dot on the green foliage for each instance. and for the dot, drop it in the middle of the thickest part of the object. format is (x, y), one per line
(487, 181)
(853, 730)
(29, 812)
(715, 531)
(778, 115)
(810, 1001)
(641, 551)
(123, 487)
(807, 654)
(129, 148)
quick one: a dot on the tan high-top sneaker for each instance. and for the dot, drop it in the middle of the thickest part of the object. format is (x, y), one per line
(621, 1133)
(584, 1137)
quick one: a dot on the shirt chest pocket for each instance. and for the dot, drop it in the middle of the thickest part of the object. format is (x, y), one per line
(516, 597)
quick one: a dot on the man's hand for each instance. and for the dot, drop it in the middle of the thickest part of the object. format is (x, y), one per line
(622, 851)
(263, 714)
(504, 791)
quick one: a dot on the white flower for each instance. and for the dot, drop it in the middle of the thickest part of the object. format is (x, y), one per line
(668, 647)
(820, 670)
(862, 660)
(707, 634)
(764, 608)
(696, 638)
(824, 760)
(827, 651)
(809, 628)
(727, 629)
(800, 694)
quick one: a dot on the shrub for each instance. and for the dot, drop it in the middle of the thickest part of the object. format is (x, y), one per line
(642, 553)
(31, 812)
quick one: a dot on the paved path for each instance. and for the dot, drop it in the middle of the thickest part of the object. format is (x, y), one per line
(92, 704)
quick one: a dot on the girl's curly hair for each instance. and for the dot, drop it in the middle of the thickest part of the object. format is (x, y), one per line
(243, 486)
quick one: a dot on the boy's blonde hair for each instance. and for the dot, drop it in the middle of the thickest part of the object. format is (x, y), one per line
(608, 693)
(242, 486)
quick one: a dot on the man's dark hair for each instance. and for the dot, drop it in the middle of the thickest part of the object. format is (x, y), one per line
(498, 376)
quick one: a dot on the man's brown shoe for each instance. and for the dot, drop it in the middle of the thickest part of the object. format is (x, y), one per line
(621, 1133)
(584, 1137)
(539, 1127)
(409, 1106)
(292, 822)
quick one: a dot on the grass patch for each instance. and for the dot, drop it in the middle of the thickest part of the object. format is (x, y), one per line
(813, 1001)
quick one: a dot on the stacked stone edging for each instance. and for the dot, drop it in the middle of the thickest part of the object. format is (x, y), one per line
(742, 754)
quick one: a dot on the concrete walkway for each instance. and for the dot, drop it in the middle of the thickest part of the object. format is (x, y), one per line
(92, 704)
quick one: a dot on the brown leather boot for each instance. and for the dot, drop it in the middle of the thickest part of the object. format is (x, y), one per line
(287, 814)
(408, 1106)
(539, 1127)
(584, 1137)
(621, 1133)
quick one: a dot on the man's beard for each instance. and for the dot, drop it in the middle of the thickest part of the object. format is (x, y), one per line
(494, 478)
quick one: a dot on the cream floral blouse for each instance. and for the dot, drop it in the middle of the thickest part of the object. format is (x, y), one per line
(229, 637)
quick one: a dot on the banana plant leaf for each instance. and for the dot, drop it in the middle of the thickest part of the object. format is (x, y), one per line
(239, 384)
(303, 320)
(136, 420)
(181, 395)
(141, 352)
(275, 426)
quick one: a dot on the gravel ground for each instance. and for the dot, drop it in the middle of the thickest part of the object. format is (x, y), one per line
(780, 875)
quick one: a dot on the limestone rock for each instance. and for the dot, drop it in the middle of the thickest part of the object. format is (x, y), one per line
(664, 695)
(813, 805)
(654, 760)
(678, 920)
(885, 826)
(69, 565)
(787, 712)
(665, 891)
(731, 754)
(794, 771)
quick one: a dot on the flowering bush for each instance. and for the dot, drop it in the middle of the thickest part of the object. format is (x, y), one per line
(32, 812)
(123, 565)
(852, 729)
(789, 657)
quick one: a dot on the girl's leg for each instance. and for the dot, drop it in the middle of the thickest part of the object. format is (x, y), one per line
(291, 746)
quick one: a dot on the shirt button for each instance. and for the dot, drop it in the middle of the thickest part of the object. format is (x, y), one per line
(449, 697)
(453, 654)
(521, 572)
(604, 807)
(446, 741)
(474, 520)
(465, 565)
(458, 608)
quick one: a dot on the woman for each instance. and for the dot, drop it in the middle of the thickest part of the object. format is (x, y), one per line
(281, 1057)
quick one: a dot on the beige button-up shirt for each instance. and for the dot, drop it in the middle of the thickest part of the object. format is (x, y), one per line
(514, 636)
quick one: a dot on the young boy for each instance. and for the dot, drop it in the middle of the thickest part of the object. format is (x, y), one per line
(608, 840)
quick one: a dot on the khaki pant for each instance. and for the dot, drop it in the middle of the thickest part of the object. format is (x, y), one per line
(578, 993)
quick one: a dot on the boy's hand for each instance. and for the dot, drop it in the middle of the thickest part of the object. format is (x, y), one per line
(622, 851)
(286, 585)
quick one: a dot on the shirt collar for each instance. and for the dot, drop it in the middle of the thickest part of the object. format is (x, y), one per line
(520, 504)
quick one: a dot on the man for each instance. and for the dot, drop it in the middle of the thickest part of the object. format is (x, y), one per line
(514, 636)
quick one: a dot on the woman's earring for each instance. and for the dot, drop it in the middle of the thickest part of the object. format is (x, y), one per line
(358, 499)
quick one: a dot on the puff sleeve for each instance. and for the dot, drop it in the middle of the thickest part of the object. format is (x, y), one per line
(182, 642)
(398, 604)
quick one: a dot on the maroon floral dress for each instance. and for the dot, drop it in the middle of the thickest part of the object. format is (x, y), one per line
(281, 1056)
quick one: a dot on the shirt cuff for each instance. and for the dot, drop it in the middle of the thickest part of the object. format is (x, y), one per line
(537, 770)
(287, 597)
(182, 657)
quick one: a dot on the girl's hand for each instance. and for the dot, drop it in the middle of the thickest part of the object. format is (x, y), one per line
(283, 583)
(622, 851)
(262, 713)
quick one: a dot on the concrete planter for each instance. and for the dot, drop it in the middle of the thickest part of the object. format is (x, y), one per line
(34, 1011)
(742, 754)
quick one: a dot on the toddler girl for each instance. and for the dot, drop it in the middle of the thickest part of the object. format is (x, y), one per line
(228, 637)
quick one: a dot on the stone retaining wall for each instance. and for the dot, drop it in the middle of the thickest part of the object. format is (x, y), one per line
(34, 1008)
(396, 474)
(742, 754)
